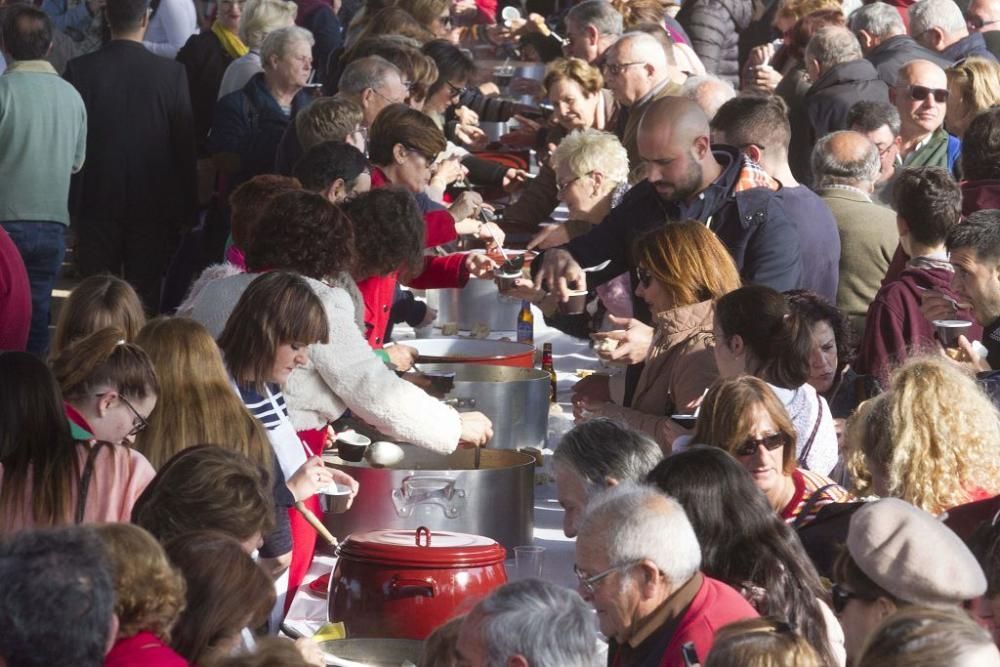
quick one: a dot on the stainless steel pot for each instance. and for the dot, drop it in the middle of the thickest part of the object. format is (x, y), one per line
(479, 302)
(515, 399)
(443, 493)
(371, 652)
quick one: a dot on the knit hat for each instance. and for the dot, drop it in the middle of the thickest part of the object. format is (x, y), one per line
(912, 555)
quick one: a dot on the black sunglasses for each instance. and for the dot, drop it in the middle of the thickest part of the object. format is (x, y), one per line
(920, 93)
(644, 276)
(840, 596)
(771, 442)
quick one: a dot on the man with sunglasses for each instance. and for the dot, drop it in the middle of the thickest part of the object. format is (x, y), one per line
(638, 562)
(940, 26)
(921, 97)
(983, 16)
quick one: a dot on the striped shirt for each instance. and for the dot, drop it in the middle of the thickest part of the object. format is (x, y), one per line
(261, 408)
(807, 484)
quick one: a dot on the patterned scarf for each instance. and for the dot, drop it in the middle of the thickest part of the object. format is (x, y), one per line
(231, 42)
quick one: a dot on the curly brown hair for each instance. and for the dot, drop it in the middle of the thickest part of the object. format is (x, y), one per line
(393, 236)
(304, 233)
(149, 591)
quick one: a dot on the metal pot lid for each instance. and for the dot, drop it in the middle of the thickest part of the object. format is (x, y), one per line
(422, 548)
(466, 349)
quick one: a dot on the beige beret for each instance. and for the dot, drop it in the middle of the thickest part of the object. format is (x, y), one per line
(912, 555)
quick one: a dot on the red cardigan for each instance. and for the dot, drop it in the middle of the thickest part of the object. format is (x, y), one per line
(143, 650)
(449, 271)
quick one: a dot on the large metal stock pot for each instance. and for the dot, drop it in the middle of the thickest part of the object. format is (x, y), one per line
(473, 351)
(405, 583)
(479, 302)
(515, 399)
(443, 492)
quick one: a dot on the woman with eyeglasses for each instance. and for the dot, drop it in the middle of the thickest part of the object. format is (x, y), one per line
(433, 15)
(757, 333)
(64, 435)
(747, 546)
(682, 268)
(744, 417)
(973, 86)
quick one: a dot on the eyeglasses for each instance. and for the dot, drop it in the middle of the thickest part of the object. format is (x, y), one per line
(588, 583)
(562, 187)
(771, 442)
(884, 150)
(644, 276)
(431, 159)
(139, 423)
(920, 93)
(445, 20)
(840, 596)
(614, 69)
(455, 90)
(976, 23)
(387, 100)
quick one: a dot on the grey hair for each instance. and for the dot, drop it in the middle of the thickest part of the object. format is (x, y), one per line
(830, 171)
(878, 20)
(589, 150)
(548, 624)
(833, 45)
(261, 17)
(365, 73)
(638, 522)
(601, 448)
(708, 91)
(278, 43)
(943, 14)
(598, 13)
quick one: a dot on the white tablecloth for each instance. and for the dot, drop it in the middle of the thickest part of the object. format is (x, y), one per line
(569, 356)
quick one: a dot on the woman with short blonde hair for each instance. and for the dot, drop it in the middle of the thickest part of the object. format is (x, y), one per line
(974, 86)
(933, 439)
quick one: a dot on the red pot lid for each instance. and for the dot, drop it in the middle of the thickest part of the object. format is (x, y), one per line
(422, 547)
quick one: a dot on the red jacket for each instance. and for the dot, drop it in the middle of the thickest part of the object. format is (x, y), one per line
(449, 271)
(714, 605)
(143, 650)
(15, 297)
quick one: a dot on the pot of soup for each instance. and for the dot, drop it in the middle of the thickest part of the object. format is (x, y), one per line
(405, 583)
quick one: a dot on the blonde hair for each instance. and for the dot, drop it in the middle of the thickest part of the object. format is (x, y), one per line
(573, 69)
(977, 81)
(796, 9)
(761, 642)
(922, 637)
(934, 435)
(424, 11)
(689, 261)
(261, 17)
(584, 151)
(198, 404)
(149, 591)
(96, 303)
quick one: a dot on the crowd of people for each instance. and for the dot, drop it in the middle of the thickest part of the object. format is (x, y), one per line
(785, 216)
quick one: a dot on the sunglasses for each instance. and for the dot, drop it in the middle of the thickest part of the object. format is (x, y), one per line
(976, 23)
(771, 442)
(920, 93)
(840, 596)
(644, 276)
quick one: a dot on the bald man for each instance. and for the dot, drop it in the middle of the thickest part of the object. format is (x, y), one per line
(638, 71)
(686, 178)
(846, 167)
(921, 97)
(983, 16)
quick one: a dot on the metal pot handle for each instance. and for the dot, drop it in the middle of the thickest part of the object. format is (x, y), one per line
(402, 587)
(428, 489)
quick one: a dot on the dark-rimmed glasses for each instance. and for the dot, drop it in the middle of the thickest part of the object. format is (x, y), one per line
(455, 90)
(139, 423)
(920, 93)
(588, 583)
(771, 442)
(976, 23)
(840, 596)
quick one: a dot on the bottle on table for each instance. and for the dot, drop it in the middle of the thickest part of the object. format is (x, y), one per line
(547, 366)
(525, 324)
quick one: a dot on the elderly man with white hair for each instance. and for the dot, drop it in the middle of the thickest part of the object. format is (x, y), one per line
(638, 71)
(592, 26)
(528, 623)
(708, 91)
(940, 26)
(638, 560)
(882, 35)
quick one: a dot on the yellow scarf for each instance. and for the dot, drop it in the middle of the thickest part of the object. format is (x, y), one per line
(231, 42)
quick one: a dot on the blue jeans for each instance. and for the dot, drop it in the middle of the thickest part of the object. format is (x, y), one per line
(42, 246)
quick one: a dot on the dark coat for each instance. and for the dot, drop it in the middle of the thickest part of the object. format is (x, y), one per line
(205, 60)
(714, 27)
(140, 137)
(819, 240)
(249, 123)
(972, 45)
(895, 52)
(317, 17)
(793, 88)
(837, 90)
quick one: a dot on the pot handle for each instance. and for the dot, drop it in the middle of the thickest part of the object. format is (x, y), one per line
(428, 490)
(402, 587)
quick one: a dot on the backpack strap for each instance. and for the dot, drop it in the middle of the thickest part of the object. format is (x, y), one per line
(812, 436)
(85, 477)
(814, 498)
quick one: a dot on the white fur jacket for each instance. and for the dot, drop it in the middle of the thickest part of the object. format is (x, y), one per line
(344, 373)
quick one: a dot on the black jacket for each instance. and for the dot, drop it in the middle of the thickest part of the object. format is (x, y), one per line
(206, 61)
(714, 27)
(837, 90)
(895, 52)
(973, 45)
(140, 137)
(751, 223)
